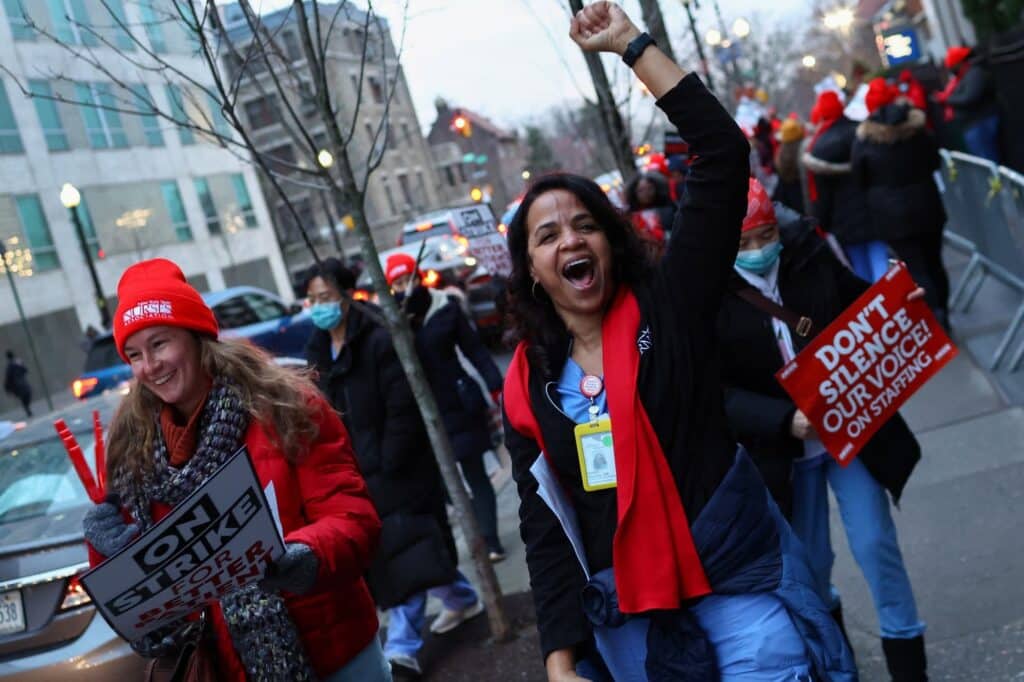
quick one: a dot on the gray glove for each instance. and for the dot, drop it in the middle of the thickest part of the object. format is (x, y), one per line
(105, 528)
(294, 572)
(166, 640)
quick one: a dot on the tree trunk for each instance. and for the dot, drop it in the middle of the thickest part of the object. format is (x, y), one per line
(405, 349)
(615, 129)
(656, 26)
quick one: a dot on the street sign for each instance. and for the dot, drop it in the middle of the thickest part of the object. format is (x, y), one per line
(900, 45)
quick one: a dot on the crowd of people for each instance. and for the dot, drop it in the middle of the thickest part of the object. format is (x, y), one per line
(673, 499)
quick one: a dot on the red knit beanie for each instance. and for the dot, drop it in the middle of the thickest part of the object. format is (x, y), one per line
(829, 106)
(398, 265)
(155, 292)
(956, 55)
(760, 211)
(879, 94)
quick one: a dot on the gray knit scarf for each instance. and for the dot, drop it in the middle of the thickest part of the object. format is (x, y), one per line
(262, 631)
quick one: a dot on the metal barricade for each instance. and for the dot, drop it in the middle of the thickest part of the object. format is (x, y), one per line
(985, 206)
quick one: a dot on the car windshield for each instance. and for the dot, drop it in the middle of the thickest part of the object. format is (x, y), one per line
(41, 497)
(102, 354)
(435, 230)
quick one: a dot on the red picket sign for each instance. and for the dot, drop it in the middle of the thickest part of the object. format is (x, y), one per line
(74, 450)
(857, 373)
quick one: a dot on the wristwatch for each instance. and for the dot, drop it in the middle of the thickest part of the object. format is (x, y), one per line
(636, 48)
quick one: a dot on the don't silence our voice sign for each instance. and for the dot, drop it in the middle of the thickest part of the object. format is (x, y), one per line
(857, 373)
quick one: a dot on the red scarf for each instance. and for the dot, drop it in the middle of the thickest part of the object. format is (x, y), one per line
(655, 561)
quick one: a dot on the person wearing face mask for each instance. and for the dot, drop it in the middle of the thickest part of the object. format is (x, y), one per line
(653, 546)
(360, 374)
(790, 266)
(442, 330)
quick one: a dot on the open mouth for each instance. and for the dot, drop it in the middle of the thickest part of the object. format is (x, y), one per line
(580, 272)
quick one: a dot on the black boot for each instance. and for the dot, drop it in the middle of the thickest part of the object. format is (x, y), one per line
(905, 659)
(837, 616)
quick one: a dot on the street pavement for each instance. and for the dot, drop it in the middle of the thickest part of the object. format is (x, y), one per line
(959, 521)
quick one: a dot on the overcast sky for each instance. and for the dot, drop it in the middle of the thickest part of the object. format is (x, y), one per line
(512, 60)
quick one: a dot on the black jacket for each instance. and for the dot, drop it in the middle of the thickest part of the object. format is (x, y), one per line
(367, 386)
(975, 95)
(841, 206)
(463, 407)
(16, 378)
(678, 382)
(894, 157)
(812, 282)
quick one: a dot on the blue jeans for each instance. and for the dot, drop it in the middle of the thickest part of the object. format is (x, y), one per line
(405, 622)
(864, 508)
(982, 138)
(369, 665)
(870, 260)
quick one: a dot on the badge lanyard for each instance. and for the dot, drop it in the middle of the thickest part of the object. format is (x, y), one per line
(594, 444)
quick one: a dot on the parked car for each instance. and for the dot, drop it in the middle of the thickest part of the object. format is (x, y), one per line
(49, 629)
(242, 312)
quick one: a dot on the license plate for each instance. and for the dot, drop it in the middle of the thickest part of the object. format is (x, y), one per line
(12, 614)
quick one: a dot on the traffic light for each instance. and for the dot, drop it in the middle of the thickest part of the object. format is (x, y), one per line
(461, 125)
(476, 194)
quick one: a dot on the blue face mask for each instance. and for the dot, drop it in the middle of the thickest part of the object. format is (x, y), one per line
(759, 261)
(326, 316)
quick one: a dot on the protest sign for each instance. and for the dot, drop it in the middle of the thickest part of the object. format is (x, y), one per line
(486, 244)
(220, 538)
(857, 373)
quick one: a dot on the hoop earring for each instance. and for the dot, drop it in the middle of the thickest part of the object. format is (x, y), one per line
(533, 291)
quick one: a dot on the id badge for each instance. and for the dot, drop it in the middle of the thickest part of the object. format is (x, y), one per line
(597, 456)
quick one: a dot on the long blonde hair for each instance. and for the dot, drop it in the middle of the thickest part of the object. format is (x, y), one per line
(278, 397)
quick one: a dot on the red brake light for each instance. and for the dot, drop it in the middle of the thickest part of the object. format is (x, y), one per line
(360, 295)
(423, 227)
(82, 387)
(74, 595)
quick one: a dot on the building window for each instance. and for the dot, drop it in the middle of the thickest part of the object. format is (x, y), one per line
(262, 112)
(449, 175)
(19, 23)
(154, 29)
(185, 134)
(403, 184)
(304, 208)
(280, 159)
(355, 83)
(406, 133)
(122, 38)
(421, 189)
(244, 202)
(37, 233)
(291, 46)
(390, 198)
(10, 140)
(220, 124)
(71, 22)
(150, 123)
(88, 227)
(376, 90)
(462, 172)
(102, 124)
(176, 209)
(49, 118)
(209, 209)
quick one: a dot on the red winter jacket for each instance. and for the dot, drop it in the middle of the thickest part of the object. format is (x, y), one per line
(323, 503)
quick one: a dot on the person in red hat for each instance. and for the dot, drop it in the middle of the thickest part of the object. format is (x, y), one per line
(442, 329)
(782, 264)
(195, 400)
(970, 102)
(893, 160)
(836, 200)
(359, 372)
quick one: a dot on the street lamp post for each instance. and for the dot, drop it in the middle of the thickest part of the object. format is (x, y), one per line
(70, 197)
(24, 325)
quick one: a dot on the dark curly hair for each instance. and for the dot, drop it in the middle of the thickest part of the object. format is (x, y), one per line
(533, 319)
(662, 196)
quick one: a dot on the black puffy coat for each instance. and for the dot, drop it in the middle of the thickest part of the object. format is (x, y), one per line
(367, 386)
(841, 205)
(893, 159)
(814, 283)
(463, 406)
